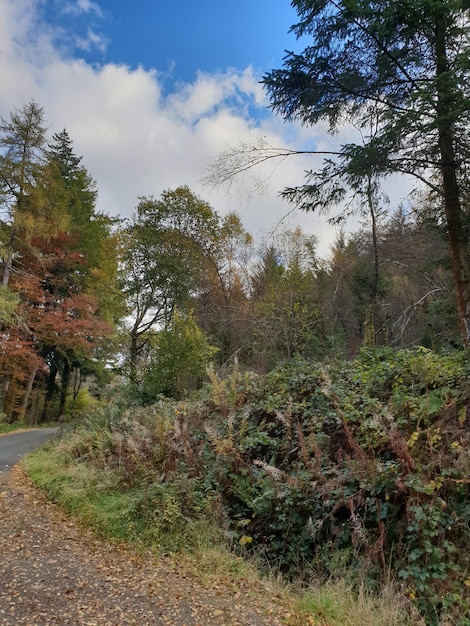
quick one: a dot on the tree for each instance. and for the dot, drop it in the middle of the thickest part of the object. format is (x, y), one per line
(25, 185)
(286, 302)
(222, 306)
(79, 193)
(55, 256)
(420, 303)
(23, 213)
(63, 328)
(166, 246)
(178, 358)
(413, 295)
(268, 271)
(90, 233)
(403, 68)
(88, 239)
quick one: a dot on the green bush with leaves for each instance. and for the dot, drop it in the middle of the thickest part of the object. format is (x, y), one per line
(356, 467)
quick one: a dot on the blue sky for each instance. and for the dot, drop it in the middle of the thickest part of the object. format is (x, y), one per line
(152, 91)
(179, 39)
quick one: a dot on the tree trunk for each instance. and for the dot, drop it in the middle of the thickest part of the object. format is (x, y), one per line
(369, 324)
(65, 380)
(27, 392)
(5, 383)
(7, 263)
(50, 392)
(77, 383)
(133, 359)
(33, 410)
(451, 190)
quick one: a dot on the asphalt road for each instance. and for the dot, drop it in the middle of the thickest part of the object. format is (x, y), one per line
(16, 445)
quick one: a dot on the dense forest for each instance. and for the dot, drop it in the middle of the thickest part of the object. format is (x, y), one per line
(315, 410)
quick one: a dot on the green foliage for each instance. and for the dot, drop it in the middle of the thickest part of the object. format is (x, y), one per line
(178, 359)
(123, 473)
(9, 301)
(165, 250)
(287, 302)
(7, 427)
(82, 404)
(353, 468)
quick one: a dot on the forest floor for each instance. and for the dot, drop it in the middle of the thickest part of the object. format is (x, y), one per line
(55, 572)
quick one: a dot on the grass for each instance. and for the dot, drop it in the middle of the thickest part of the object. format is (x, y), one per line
(87, 494)
(92, 495)
(335, 603)
(6, 429)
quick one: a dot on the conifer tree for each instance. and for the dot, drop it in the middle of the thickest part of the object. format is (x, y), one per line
(401, 68)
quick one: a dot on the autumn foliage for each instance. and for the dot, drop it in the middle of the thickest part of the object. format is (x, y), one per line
(51, 325)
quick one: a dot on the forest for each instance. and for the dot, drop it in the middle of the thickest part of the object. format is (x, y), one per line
(311, 412)
(156, 299)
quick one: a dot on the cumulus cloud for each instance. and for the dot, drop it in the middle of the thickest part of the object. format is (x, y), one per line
(138, 139)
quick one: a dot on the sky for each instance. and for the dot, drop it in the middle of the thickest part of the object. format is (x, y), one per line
(152, 91)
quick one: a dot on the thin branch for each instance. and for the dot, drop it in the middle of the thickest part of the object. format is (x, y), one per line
(244, 157)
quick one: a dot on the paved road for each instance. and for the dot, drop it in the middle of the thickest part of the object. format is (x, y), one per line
(16, 445)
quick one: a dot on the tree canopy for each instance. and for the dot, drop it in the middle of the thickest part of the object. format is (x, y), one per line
(166, 243)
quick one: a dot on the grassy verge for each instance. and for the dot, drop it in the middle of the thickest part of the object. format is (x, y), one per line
(6, 429)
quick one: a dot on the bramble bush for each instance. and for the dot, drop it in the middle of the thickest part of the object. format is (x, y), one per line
(354, 469)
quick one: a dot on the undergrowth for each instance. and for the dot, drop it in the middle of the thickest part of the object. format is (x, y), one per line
(353, 474)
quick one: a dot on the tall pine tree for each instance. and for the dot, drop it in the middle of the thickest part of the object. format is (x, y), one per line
(398, 67)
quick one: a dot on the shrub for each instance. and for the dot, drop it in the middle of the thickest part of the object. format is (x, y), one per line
(351, 469)
(355, 467)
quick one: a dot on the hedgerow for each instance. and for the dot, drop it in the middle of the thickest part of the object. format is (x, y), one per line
(355, 469)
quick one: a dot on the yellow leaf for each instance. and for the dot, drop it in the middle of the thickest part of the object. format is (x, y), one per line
(244, 539)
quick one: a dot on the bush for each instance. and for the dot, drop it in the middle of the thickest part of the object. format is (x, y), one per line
(354, 469)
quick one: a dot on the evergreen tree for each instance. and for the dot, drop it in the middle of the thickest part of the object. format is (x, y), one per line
(91, 233)
(400, 68)
(22, 141)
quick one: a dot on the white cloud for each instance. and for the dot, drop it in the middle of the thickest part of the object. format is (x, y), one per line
(82, 6)
(92, 40)
(137, 141)
(231, 90)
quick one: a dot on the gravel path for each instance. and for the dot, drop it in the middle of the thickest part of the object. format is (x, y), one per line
(53, 572)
